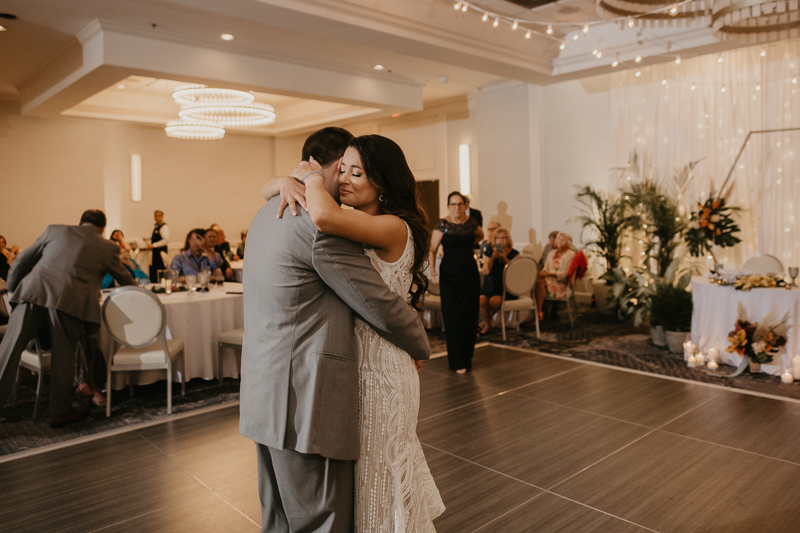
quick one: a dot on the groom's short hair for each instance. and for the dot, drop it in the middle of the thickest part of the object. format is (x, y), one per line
(326, 145)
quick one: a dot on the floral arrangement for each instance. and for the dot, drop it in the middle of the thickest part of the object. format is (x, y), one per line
(753, 281)
(711, 224)
(759, 343)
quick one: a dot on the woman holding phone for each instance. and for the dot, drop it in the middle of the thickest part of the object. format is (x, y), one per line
(493, 267)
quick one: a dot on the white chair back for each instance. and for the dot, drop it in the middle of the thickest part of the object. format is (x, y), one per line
(763, 264)
(134, 317)
(520, 275)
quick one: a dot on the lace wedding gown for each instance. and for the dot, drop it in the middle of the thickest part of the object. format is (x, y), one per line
(395, 492)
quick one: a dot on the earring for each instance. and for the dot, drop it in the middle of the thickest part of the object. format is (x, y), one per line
(381, 198)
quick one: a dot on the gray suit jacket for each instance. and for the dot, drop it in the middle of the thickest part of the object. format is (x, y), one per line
(64, 270)
(302, 287)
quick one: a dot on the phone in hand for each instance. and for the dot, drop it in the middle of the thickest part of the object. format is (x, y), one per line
(499, 248)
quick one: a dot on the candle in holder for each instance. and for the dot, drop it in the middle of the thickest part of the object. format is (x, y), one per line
(691, 361)
(700, 359)
(688, 350)
(713, 355)
(787, 377)
(796, 366)
(712, 365)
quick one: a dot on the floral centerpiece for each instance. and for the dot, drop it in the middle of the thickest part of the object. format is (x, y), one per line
(755, 281)
(756, 343)
(711, 224)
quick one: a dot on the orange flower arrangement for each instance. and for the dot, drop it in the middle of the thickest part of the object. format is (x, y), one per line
(711, 224)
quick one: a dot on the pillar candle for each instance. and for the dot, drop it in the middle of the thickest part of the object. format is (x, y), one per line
(691, 361)
(713, 355)
(712, 365)
(787, 377)
(700, 359)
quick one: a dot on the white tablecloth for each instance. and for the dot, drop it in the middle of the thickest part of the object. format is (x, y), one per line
(197, 320)
(715, 313)
(238, 268)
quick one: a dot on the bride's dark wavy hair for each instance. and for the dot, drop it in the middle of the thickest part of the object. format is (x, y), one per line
(387, 170)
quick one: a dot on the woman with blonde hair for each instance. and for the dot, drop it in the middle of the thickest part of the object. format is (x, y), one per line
(553, 281)
(492, 270)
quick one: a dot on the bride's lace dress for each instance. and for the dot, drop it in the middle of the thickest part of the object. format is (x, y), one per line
(395, 492)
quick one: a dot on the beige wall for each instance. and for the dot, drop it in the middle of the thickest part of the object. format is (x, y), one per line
(54, 169)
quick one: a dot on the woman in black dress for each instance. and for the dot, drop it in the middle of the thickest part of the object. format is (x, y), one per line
(459, 281)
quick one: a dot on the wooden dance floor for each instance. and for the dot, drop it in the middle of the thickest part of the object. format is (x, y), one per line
(524, 443)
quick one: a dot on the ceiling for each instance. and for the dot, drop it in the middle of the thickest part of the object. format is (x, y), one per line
(311, 59)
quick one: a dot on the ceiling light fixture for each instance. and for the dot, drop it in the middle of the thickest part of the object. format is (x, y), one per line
(202, 94)
(194, 131)
(227, 37)
(237, 115)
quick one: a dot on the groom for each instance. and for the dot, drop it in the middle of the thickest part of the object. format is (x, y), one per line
(299, 391)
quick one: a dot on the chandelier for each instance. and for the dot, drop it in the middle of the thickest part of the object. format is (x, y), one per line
(755, 21)
(194, 130)
(654, 12)
(202, 94)
(234, 115)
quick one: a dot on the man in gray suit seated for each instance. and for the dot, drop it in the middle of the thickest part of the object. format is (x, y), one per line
(56, 284)
(300, 383)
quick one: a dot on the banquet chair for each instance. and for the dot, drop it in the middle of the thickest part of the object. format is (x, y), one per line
(519, 279)
(232, 339)
(763, 264)
(39, 363)
(569, 301)
(136, 320)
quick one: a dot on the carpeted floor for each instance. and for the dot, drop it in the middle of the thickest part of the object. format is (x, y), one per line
(597, 337)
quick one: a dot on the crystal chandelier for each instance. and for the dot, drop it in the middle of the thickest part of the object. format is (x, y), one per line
(191, 130)
(202, 94)
(234, 115)
(755, 21)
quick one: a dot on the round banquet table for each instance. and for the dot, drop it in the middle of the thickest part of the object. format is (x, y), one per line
(716, 311)
(197, 320)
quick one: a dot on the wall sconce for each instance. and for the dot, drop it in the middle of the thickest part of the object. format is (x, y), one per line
(463, 168)
(136, 178)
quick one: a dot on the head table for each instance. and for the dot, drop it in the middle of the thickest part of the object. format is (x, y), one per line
(197, 319)
(716, 310)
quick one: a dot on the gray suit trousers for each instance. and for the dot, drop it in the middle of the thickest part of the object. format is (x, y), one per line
(24, 324)
(315, 494)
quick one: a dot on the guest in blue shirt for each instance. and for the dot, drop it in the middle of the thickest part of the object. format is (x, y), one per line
(132, 266)
(194, 258)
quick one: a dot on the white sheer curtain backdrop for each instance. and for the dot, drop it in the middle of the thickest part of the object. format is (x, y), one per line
(704, 108)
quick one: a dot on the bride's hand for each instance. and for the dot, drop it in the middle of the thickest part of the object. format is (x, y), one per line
(292, 193)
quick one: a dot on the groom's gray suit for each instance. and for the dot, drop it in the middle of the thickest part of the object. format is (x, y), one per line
(299, 391)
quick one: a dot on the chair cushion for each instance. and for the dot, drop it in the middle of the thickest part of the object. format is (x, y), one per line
(152, 354)
(30, 361)
(432, 302)
(519, 304)
(232, 337)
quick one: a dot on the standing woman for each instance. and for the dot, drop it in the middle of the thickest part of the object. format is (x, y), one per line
(459, 281)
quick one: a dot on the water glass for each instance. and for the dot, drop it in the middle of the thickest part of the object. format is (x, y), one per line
(202, 278)
(190, 281)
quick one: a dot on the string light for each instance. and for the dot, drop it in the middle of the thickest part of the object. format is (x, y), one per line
(496, 22)
(615, 63)
(631, 23)
(599, 54)
(485, 17)
(693, 87)
(758, 87)
(723, 89)
(562, 45)
(678, 59)
(794, 80)
(549, 29)
(575, 37)
(464, 7)
(638, 73)
(457, 6)
(638, 59)
(663, 82)
(528, 34)
(585, 28)
(719, 59)
(515, 25)
(673, 10)
(594, 52)
(763, 52)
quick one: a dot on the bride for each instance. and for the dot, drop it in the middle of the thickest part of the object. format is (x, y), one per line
(394, 488)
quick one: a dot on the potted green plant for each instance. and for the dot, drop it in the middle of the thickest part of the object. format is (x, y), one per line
(671, 307)
(605, 217)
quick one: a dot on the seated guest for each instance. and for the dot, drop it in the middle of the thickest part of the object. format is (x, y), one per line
(487, 246)
(7, 257)
(194, 258)
(212, 237)
(132, 267)
(551, 244)
(492, 270)
(221, 245)
(240, 249)
(119, 238)
(553, 279)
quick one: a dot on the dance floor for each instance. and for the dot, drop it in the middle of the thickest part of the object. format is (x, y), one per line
(524, 443)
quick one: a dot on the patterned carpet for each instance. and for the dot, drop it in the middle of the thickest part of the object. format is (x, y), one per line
(597, 336)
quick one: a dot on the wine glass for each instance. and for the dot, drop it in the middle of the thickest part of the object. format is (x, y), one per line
(793, 274)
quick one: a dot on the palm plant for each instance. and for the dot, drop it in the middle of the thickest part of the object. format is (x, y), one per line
(606, 217)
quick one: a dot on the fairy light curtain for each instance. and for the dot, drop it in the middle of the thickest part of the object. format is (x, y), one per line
(704, 108)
